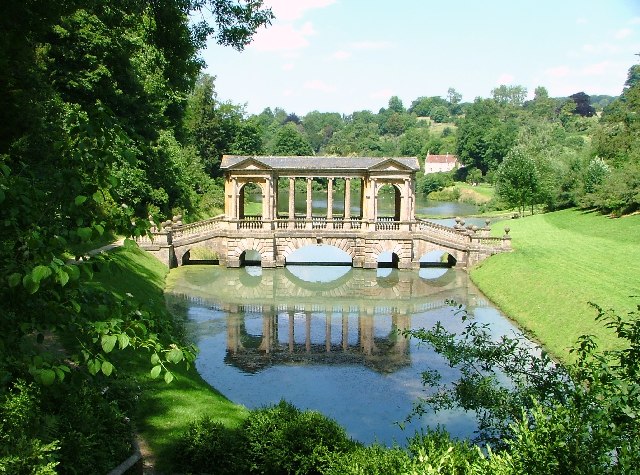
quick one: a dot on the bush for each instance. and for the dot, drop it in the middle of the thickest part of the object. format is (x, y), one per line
(21, 449)
(282, 439)
(210, 447)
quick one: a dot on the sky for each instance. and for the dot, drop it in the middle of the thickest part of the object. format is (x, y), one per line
(351, 55)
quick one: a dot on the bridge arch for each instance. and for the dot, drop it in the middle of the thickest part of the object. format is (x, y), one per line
(242, 198)
(397, 199)
(292, 244)
(399, 248)
(261, 246)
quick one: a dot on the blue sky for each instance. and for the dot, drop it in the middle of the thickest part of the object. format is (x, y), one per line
(349, 55)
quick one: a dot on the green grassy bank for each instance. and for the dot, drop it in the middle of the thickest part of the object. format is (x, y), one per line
(165, 410)
(563, 261)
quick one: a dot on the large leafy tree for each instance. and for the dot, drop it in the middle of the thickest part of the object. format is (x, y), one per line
(90, 88)
(486, 134)
(290, 141)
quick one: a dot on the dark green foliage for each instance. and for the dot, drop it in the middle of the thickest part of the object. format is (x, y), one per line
(22, 450)
(583, 105)
(289, 141)
(209, 447)
(282, 439)
(485, 135)
(273, 440)
(77, 427)
(579, 419)
(430, 182)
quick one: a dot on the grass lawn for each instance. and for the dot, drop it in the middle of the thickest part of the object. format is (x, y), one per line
(562, 261)
(165, 410)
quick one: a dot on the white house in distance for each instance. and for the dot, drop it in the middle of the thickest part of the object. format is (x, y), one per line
(440, 163)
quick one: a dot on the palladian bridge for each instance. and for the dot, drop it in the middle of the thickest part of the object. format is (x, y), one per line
(359, 227)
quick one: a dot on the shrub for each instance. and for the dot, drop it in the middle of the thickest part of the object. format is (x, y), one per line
(21, 449)
(210, 447)
(282, 439)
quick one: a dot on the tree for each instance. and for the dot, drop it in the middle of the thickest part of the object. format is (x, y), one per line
(395, 105)
(211, 126)
(513, 95)
(454, 98)
(583, 105)
(517, 180)
(439, 114)
(485, 135)
(100, 87)
(289, 141)
(423, 106)
(319, 127)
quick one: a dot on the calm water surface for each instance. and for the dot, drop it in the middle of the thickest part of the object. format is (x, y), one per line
(326, 338)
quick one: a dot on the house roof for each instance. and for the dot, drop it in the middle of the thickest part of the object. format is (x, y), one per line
(441, 158)
(230, 162)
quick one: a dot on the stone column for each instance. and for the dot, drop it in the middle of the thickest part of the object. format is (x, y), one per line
(234, 198)
(292, 202)
(309, 224)
(292, 197)
(347, 203)
(330, 203)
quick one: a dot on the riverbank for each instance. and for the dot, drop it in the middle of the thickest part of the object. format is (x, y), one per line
(563, 261)
(164, 410)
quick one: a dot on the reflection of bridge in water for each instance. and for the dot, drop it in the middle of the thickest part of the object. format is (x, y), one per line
(277, 318)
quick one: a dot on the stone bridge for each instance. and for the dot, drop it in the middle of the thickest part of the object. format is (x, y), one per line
(361, 231)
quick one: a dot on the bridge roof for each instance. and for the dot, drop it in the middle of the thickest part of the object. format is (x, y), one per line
(230, 162)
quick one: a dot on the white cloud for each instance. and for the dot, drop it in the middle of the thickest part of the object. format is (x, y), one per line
(623, 33)
(283, 37)
(371, 45)
(288, 67)
(382, 94)
(601, 48)
(597, 69)
(319, 85)
(635, 21)
(558, 72)
(582, 21)
(341, 55)
(505, 78)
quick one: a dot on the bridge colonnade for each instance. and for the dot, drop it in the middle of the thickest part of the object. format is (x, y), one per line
(266, 172)
(363, 237)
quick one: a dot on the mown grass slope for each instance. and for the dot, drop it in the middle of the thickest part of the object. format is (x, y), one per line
(562, 261)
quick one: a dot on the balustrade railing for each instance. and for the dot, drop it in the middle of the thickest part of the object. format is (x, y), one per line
(198, 228)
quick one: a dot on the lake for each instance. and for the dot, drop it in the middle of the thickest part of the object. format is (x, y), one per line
(327, 339)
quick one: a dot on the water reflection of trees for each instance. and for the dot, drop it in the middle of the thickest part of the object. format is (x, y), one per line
(289, 336)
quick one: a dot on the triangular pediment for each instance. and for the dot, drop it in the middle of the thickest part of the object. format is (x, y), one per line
(390, 165)
(249, 163)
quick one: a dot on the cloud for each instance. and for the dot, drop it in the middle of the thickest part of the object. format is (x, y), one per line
(623, 33)
(382, 94)
(341, 55)
(558, 72)
(319, 85)
(597, 69)
(635, 21)
(581, 21)
(371, 45)
(290, 10)
(505, 78)
(288, 67)
(601, 48)
(283, 38)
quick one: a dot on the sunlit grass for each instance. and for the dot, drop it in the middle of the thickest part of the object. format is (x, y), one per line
(563, 261)
(164, 410)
